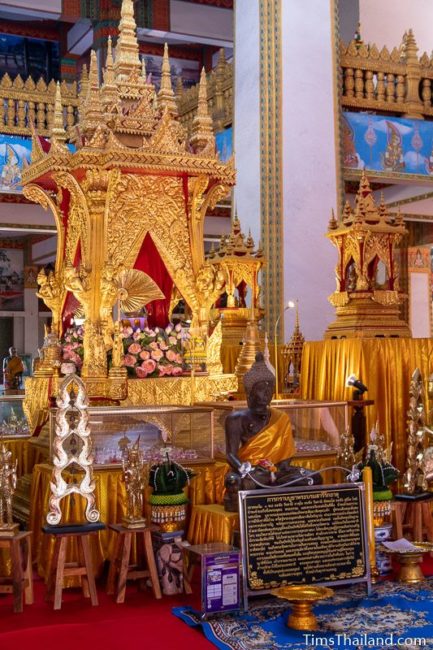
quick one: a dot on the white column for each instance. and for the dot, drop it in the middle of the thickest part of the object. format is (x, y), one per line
(309, 160)
(247, 114)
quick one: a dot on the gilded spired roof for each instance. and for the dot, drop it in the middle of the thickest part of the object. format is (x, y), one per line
(236, 245)
(366, 214)
(125, 120)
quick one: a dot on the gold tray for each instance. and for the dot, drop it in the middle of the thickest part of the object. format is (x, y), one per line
(303, 593)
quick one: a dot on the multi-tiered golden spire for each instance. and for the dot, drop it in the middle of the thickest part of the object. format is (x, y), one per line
(58, 133)
(166, 98)
(92, 109)
(127, 51)
(292, 353)
(202, 138)
(109, 88)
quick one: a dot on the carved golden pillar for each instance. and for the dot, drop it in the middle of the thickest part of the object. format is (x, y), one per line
(95, 357)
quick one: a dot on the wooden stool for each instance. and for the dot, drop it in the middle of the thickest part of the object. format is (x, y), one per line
(120, 561)
(415, 516)
(20, 582)
(59, 569)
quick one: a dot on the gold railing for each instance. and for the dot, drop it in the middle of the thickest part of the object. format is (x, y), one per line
(399, 81)
(219, 93)
(25, 102)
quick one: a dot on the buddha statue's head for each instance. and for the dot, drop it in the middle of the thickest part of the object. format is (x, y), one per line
(259, 384)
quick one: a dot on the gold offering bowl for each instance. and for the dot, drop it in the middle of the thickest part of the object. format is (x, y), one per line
(410, 571)
(302, 598)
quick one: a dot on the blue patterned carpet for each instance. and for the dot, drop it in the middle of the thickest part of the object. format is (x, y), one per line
(396, 617)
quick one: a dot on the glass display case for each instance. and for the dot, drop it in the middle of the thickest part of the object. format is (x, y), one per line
(13, 422)
(316, 425)
(186, 432)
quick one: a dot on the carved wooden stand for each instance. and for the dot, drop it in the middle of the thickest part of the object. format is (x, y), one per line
(58, 569)
(20, 582)
(414, 517)
(120, 562)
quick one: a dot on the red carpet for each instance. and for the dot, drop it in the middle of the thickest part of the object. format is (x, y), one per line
(142, 621)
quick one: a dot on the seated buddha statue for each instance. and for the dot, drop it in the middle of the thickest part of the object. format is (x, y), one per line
(261, 436)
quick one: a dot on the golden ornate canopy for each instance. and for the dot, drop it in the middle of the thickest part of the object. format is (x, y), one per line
(368, 295)
(132, 173)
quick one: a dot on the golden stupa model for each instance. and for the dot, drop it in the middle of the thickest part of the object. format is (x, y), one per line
(133, 174)
(368, 294)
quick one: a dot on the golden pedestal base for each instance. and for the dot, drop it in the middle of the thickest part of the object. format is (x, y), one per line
(410, 571)
(365, 318)
(302, 599)
(132, 524)
(130, 392)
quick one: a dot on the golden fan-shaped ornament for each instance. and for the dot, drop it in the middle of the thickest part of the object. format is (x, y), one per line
(136, 289)
(79, 312)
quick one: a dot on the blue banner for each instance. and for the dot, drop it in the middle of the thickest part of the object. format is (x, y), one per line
(387, 144)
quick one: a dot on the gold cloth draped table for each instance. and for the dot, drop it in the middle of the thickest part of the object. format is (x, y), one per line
(385, 367)
(111, 502)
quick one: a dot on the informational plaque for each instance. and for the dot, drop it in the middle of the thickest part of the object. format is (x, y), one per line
(305, 535)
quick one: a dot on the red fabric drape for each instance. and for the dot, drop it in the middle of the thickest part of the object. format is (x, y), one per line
(149, 261)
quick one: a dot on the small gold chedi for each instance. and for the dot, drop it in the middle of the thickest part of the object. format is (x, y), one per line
(302, 598)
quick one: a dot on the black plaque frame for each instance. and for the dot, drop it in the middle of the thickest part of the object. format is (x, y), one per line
(246, 495)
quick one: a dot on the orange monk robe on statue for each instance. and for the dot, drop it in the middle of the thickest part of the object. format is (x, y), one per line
(274, 442)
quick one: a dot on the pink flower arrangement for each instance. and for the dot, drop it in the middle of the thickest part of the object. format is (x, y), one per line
(171, 355)
(157, 354)
(153, 353)
(72, 346)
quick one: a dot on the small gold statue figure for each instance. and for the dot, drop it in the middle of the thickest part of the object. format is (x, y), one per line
(134, 470)
(8, 484)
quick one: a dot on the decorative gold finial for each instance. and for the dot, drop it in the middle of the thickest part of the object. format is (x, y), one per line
(202, 127)
(332, 225)
(127, 52)
(357, 36)
(58, 133)
(166, 99)
(93, 114)
(143, 68)
(109, 89)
